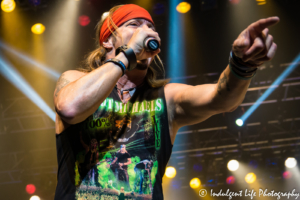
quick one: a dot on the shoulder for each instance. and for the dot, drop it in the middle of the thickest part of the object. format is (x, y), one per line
(71, 75)
(173, 90)
(66, 78)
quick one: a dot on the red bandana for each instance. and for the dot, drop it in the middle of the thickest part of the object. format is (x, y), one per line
(121, 15)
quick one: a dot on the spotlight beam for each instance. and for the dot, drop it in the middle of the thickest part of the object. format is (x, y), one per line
(13, 76)
(53, 74)
(175, 43)
(267, 93)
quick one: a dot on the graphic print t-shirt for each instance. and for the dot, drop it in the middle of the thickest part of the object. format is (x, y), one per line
(120, 151)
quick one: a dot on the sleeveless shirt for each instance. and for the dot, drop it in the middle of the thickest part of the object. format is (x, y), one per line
(119, 152)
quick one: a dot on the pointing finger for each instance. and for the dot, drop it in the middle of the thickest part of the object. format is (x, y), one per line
(261, 24)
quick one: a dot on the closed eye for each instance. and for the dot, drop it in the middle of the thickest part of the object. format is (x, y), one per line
(134, 24)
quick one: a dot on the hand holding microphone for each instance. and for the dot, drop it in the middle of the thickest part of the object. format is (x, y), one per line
(145, 43)
(151, 44)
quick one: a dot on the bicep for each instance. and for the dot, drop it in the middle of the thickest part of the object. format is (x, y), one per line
(192, 104)
(66, 78)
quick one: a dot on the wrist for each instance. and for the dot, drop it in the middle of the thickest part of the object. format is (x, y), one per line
(240, 69)
(118, 63)
(129, 53)
(121, 56)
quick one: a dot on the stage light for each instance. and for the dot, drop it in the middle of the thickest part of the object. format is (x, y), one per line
(84, 20)
(230, 180)
(287, 175)
(35, 197)
(261, 2)
(175, 42)
(278, 81)
(233, 165)
(290, 162)
(239, 122)
(250, 178)
(195, 183)
(12, 75)
(170, 172)
(183, 7)
(38, 28)
(30, 188)
(8, 5)
(52, 73)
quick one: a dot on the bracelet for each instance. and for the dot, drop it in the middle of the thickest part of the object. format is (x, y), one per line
(241, 69)
(239, 76)
(129, 54)
(118, 63)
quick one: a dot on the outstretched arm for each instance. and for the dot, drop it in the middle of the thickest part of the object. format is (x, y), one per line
(193, 104)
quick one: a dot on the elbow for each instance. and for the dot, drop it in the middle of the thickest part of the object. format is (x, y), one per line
(66, 112)
(231, 109)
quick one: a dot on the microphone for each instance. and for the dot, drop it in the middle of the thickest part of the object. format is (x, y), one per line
(151, 44)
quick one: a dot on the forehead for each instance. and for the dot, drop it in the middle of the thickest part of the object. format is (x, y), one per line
(140, 20)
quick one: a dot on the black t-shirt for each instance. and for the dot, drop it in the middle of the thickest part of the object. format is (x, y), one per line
(86, 150)
(123, 158)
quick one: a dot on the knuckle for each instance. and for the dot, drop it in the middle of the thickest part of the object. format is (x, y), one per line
(271, 37)
(260, 46)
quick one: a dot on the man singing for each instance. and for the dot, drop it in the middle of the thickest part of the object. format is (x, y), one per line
(118, 80)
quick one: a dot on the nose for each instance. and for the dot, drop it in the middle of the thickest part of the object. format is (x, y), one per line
(144, 26)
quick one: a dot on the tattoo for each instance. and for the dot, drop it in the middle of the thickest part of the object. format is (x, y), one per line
(62, 82)
(224, 79)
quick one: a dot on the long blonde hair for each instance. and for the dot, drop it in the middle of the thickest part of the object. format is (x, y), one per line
(96, 58)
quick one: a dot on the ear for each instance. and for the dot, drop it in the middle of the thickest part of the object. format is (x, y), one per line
(108, 44)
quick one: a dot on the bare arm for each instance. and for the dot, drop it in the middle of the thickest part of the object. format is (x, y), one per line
(114, 161)
(78, 95)
(193, 104)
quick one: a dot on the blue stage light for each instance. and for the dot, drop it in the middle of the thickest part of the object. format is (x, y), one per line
(53, 74)
(239, 122)
(278, 81)
(12, 75)
(176, 55)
